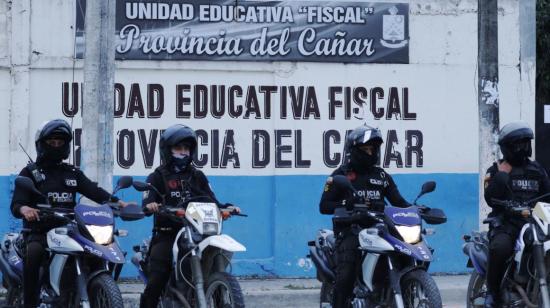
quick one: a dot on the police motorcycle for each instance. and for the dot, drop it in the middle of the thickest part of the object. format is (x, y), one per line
(395, 256)
(207, 249)
(525, 282)
(83, 252)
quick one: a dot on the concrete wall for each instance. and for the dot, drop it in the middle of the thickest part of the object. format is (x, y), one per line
(282, 203)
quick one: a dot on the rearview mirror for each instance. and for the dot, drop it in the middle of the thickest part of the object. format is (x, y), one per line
(142, 186)
(428, 187)
(124, 182)
(131, 212)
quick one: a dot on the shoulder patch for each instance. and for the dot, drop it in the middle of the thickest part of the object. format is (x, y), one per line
(328, 183)
(71, 182)
(486, 180)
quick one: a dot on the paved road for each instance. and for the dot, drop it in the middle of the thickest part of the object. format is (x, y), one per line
(304, 293)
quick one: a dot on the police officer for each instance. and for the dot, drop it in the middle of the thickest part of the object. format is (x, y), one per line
(176, 179)
(515, 177)
(373, 184)
(58, 181)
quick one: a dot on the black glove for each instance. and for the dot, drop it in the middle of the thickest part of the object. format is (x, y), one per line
(350, 202)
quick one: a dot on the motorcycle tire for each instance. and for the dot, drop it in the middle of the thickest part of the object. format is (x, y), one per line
(420, 291)
(476, 292)
(104, 292)
(223, 291)
(14, 298)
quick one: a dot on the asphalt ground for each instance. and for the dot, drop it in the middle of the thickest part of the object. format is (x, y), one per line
(304, 293)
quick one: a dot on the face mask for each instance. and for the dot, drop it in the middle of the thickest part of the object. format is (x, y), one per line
(362, 161)
(517, 154)
(181, 160)
(55, 154)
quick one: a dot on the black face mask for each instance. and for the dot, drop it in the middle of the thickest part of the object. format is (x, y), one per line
(518, 153)
(55, 154)
(361, 161)
(181, 161)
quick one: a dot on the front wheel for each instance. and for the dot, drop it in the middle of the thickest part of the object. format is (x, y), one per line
(104, 292)
(420, 291)
(477, 290)
(223, 291)
(327, 290)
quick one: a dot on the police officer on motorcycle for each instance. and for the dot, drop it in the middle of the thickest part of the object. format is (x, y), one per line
(60, 182)
(515, 177)
(372, 184)
(176, 179)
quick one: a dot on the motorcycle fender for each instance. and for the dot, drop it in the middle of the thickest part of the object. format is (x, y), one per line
(368, 267)
(224, 242)
(56, 269)
(93, 275)
(408, 269)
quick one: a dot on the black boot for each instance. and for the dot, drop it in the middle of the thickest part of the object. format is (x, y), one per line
(142, 303)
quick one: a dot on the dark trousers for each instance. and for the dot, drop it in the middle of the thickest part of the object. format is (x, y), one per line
(347, 256)
(501, 248)
(35, 254)
(160, 268)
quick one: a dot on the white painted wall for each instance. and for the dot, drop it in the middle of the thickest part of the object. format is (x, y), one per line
(441, 77)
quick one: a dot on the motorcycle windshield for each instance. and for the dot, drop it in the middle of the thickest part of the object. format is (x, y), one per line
(99, 215)
(403, 216)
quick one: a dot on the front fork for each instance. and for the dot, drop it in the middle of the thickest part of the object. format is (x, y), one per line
(196, 271)
(538, 252)
(395, 285)
(81, 281)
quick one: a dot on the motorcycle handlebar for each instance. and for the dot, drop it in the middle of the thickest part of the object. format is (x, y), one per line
(171, 210)
(358, 217)
(512, 206)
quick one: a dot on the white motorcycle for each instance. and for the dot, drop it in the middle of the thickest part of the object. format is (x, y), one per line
(201, 242)
(83, 252)
(525, 282)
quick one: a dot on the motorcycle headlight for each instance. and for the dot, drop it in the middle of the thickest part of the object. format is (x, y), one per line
(410, 234)
(101, 234)
(209, 228)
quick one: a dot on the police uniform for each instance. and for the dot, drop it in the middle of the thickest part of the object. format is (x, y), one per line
(60, 183)
(374, 185)
(523, 183)
(175, 186)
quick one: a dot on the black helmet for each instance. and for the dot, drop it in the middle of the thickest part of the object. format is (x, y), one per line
(358, 159)
(514, 140)
(58, 129)
(174, 135)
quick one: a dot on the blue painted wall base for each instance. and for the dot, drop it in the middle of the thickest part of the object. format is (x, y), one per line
(284, 215)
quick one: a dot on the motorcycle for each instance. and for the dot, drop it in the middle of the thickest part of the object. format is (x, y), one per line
(201, 243)
(394, 254)
(83, 252)
(525, 282)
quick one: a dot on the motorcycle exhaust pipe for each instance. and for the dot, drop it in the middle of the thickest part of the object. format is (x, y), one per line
(320, 265)
(11, 277)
